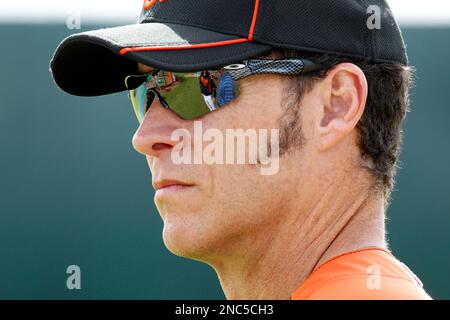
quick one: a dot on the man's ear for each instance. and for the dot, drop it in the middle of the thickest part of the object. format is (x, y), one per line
(344, 94)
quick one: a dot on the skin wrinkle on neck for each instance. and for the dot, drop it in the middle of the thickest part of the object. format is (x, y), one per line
(277, 273)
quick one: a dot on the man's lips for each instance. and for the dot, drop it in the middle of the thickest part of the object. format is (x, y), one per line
(165, 183)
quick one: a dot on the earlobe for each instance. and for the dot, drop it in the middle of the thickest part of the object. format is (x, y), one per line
(346, 96)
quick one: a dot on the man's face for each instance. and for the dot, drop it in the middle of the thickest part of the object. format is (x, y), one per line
(209, 209)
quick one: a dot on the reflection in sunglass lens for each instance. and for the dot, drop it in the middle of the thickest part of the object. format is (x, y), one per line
(189, 95)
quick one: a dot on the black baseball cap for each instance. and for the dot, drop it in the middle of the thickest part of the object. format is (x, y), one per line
(192, 35)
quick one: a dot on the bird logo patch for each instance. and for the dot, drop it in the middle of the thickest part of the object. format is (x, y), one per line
(150, 3)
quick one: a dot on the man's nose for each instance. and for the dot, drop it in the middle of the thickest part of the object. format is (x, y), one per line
(153, 136)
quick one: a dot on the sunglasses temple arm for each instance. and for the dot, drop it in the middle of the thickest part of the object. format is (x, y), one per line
(160, 98)
(310, 66)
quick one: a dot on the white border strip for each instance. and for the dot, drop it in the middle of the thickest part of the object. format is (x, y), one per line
(421, 12)
(408, 12)
(60, 11)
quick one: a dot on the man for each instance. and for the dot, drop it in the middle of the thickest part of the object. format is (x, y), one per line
(207, 87)
(334, 87)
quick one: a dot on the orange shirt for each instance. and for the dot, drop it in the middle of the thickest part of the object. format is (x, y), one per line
(370, 273)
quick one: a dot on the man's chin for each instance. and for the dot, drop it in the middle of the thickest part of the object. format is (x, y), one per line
(185, 241)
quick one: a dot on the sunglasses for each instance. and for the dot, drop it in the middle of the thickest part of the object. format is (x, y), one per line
(193, 94)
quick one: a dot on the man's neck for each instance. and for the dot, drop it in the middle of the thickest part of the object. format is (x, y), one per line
(274, 266)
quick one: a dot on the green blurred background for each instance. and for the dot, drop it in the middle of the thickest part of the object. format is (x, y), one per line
(73, 190)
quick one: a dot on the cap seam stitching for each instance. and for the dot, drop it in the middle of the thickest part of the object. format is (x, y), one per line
(172, 63)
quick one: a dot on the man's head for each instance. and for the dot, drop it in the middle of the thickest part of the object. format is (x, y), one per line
(339, 127)
(338, 124)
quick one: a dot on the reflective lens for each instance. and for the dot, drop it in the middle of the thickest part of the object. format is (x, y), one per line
(189, 95)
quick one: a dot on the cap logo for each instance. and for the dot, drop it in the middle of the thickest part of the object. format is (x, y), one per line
(149, 3)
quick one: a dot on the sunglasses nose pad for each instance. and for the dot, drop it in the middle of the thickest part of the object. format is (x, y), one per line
(164, 102)
(161, 99)
(150, 98)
